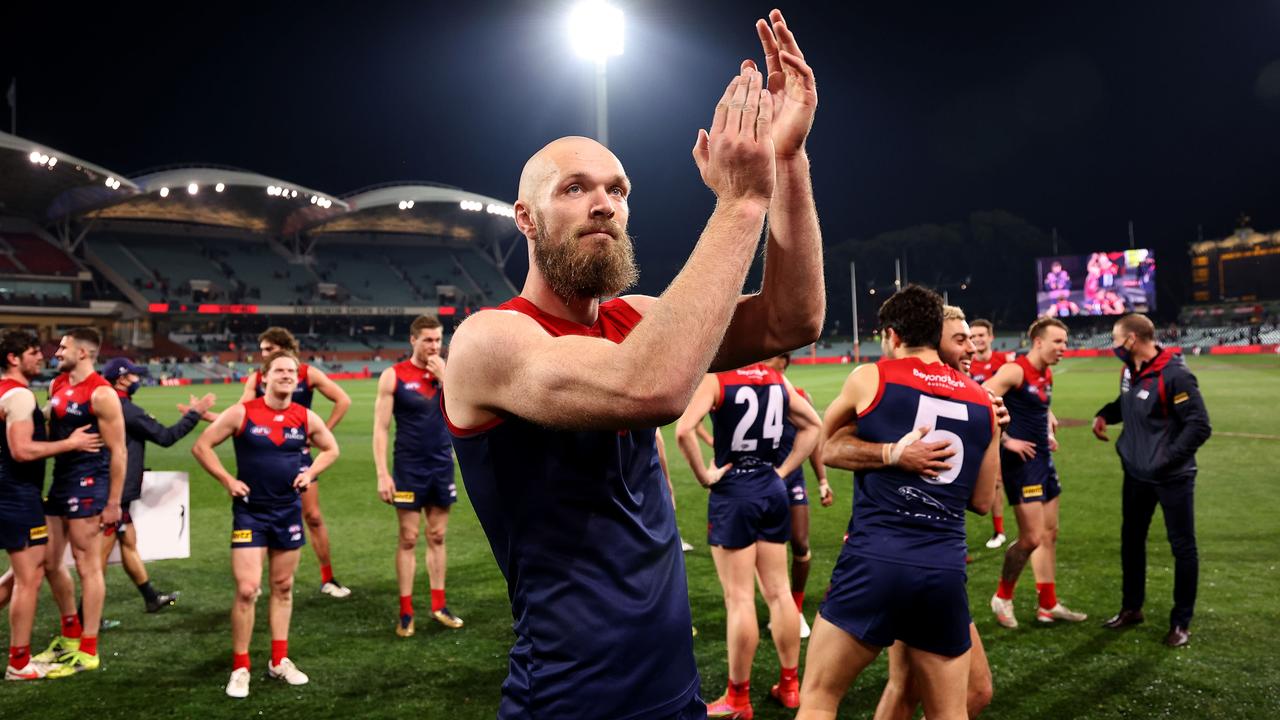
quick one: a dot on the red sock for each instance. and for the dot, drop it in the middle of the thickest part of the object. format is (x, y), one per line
(19, 656)
(739, 693)
(790, 676)
(997, 521)
(406, 605)
(1048, 595)
(799, 598)
(279, 651)
(326, 574)
(89, 645)
(437, 599)
(71, 626)
(1005, 591)
(239, 660)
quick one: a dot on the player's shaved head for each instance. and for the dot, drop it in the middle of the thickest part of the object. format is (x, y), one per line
(557, 158)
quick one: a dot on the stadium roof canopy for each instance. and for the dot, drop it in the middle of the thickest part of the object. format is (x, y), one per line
(46, 185)
(224, 197)
(422, 209)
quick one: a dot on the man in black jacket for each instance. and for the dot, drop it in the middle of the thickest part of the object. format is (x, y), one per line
(141, 428)
(1164, 423)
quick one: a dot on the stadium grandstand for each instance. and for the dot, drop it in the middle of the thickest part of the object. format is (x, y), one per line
(182, 266)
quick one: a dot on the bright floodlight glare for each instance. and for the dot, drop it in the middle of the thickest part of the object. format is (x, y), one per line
(219, 187)
(596, 30)
(35, 156)
(164, 192)
(192, 189)
(52, 161)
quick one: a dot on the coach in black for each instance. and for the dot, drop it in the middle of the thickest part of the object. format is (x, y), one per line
(1165, 422)
(140, 429)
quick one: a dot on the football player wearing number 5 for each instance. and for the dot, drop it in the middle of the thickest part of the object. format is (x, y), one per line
(749, 514)
(901, 573)
(269, 434)
(1030, 478)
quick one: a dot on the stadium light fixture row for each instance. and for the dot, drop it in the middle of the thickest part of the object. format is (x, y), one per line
(503, 210)
(405, 204)
(276, 190)
(38, 158)
(472, 205)
(113, 183)
(323, 202)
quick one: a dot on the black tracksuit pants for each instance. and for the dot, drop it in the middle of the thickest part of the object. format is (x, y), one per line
(1176, 500)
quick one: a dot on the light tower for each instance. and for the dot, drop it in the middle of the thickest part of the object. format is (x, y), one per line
(595, 33)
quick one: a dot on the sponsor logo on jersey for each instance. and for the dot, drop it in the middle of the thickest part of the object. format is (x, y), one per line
(404, 496)
(293, 433)
(260, 430)
(412, 385)
(278, 418)
(241, 536)
(938, 379)
(295, 528)
(1031, 491)
(87, 482)
(39, 533)
(753, 372)
(296, 536)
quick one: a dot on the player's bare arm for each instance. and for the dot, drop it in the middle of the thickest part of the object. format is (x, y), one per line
(984, 488)
(320, 437)
(504, 363)
(217, 433)
(1008, 377)
(704, 399)
(250, 387)
(17, 410)
(326, 386)
(382, 406)
(808, 430)
(778, 318)
(106, 406)
(843, 449)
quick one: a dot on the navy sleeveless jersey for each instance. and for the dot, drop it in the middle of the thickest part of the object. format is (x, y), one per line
(71, 407)
(905, 518)
(422, 438)
(1029, 405)
(267, 448)
(303, 393)
(20, 480)
(748, 421)
(582, 527)
(789, 432)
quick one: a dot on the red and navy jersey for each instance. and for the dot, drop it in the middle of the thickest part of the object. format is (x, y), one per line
(582, 527)
(789, 431)
(748, 420)
(422, 438)
(1029, 404)
(905, 518)
(20, 479)
(268, 446)
(71, 407)
(1059, 280)
(983, 370)
(303, 393)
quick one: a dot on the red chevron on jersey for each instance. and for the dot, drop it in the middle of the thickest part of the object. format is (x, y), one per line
(416, 379)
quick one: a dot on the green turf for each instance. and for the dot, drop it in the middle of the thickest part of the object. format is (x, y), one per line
(176, 663)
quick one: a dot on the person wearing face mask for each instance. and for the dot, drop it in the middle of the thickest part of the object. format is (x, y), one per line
(141, 428)
(1165, 422)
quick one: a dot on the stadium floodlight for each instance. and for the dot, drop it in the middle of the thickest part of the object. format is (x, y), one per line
(219, 187)
(52, 161)
(409, 204)
(293, 193)
(596, 31)
(164, 192)
(192, 189)
(34, 157)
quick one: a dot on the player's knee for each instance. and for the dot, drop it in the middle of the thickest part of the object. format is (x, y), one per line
(435, 536)
(800, 551)
(247, 591)
(282, 587)
(408, 539)
(979, 696)
(1030, 539)
(313, 518)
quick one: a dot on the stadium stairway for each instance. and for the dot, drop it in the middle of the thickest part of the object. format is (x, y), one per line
(123, 285)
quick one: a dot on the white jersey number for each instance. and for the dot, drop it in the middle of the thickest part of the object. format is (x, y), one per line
(932, 408)
(772, 418)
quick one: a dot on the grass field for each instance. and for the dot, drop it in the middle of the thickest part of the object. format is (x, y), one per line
(176, 663)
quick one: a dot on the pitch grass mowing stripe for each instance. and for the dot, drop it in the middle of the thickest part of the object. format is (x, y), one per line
(177, 662)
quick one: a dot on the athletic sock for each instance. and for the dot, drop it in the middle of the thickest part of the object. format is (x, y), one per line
(799, 598)
(739, 693)
(406, 605)
(1005, 591)
(71, 627)
(19, 656)
(279, 651)
(239, 660)
(89, 645)
(1048, 595)
(789, 676)
(326, 574)
(148, 593)
(997, 522)
(437, 600)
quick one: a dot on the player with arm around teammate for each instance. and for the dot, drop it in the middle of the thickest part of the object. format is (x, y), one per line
(270, 434)
(900, 575)
(311, 380)
(421, 487)
(749, 514)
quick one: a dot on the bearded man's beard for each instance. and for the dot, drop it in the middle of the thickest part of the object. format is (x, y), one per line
(574, 271)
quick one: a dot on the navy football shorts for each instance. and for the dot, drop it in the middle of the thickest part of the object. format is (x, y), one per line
(797, 493)
(22, 522)
(82, 498)
(738, 519)
(419, 488)
(278, 528)
(879, 602)
(1030, 481)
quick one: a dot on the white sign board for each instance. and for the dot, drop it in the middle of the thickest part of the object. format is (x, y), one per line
(161, 519)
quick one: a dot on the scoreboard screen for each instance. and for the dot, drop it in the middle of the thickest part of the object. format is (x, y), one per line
(1100, 283)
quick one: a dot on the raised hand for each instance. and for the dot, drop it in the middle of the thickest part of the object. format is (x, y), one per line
(790, 83)
(736, 158)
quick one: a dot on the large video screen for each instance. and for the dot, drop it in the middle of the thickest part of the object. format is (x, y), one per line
(1101, 283)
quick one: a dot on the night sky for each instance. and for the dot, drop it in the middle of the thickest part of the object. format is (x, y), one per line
(1078, 116)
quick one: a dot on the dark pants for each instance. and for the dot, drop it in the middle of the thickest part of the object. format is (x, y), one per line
(1176, 499)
